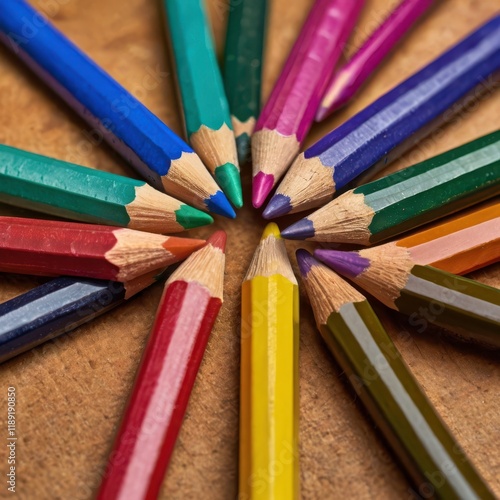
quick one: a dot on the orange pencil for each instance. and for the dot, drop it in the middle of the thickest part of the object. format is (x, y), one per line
(460, 245)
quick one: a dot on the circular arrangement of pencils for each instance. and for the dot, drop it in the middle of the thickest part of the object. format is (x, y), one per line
(335, 332)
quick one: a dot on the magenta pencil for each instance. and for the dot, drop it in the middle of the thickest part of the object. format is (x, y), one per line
(289, 112)
(349, 78)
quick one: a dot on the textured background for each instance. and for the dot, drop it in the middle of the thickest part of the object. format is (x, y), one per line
(71, 392)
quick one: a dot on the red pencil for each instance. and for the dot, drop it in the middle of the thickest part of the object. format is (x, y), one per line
(51, 248)
(186, 314)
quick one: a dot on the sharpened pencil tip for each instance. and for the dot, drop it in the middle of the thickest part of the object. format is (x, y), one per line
(243, 148)
(321, 114)
(227, 177)
(182, 247)
(305, 261)
(219, 204)
(218, 240)
(278, 205)
(301, 230)
(261, 187)
(349, 264)
(189, 217)
(271, 229)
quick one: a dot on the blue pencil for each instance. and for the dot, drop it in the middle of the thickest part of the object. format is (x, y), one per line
(156, 152)
(392, 124)
(59, 306)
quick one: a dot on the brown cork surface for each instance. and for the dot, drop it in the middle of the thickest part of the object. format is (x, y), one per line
(71, 392)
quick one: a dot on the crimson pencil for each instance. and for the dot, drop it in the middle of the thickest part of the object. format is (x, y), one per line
(52, 248)
(289, 113)
(185, 317)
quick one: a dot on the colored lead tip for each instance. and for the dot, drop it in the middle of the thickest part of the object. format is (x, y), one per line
(305, 261)
(182, 247)
(321, 114)
(243, 148)
(219, 204)
(278, 205)
(189, 217)
(228, 178)
(301, 230)
(261, 187)
(218, 240)
(271, 229)
(349, 264)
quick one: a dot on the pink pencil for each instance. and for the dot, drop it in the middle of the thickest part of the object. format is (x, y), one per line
(347, 80)
(289, 113)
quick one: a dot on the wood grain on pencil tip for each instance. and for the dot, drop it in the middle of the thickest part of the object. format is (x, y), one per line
(206, 110)
(391, 395)
(243, 54)
(466, 308)
(59, 306)
(346, 81)
(392, 124)
(50, 248)
(156, 152)
(269, 389)
(408, 198)
(289, 113)
(64, 189)
(185, 317)
(463, 244)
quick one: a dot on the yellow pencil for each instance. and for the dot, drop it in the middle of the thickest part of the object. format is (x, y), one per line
(269, 411)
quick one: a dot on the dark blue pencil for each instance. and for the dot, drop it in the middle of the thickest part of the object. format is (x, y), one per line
(156, 152)
(392, 124)
(59, 306)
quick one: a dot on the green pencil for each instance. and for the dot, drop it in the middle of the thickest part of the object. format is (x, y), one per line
(387, 388)
(427, 295)
(63, 189)
(206, 110)
(409, 198)
(243, 68)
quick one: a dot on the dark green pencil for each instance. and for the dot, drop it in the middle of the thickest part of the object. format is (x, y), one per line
(243, 68)
(412, 427)
(63, 189)
(409, 198)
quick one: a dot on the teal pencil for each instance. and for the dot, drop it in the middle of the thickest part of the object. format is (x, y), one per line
(206, 110)
(55, 187)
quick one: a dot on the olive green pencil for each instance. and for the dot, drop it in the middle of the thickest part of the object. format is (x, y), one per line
(391, 395)
(427, 295)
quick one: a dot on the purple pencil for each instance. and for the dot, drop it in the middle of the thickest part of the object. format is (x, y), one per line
(349, 78)
(289, 113)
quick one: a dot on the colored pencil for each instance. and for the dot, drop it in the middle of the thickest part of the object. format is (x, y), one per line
(59, 306)
(408, 198)
(458, 246)
(289, 113)
(386, 387)
(64, 189)
(392, 124)
(186, 314)
(206, 110)
(243, 54)
(269, 391)
(426, 294)
(50, 248)
(117, 117)
(349, 78)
